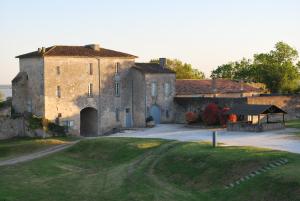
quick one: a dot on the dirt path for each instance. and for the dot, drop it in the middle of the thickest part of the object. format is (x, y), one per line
(38, 154)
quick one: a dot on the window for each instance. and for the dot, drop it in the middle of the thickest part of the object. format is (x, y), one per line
(91, 69)
(57, 70)
(29, 106)
(167, 89)
(117, 88)
(117, 114)
(90, 90)
(117, 68)
(58, 92)
(167, 113)
(154, 89)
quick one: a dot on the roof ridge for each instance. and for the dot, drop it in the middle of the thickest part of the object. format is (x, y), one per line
(51, 49)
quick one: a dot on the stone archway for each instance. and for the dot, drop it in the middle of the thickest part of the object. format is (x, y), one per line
(88, 122)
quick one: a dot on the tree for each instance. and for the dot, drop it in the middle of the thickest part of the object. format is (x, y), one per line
(239, 70)
(1, 96)
(183, 70)
(277, 69)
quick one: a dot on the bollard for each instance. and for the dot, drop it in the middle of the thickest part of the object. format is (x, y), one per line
(214, 138)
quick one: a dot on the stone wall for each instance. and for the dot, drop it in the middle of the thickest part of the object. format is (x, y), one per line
(163, 101)
(11, 127)
(74, 79)
(289, 103)
(184, 105)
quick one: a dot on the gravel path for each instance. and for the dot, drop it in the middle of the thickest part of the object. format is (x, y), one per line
(283, 140)
(38, 154)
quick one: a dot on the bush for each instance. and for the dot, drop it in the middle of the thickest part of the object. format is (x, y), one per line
(224, 116)
(191, 117)
(35, 122)
(211, 114)
(148, 119)
(57, 130)
(232, 118)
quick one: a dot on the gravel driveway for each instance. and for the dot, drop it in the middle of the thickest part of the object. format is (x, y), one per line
(281, 139)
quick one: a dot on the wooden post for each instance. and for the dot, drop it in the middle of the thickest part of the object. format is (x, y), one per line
(214, 139)
(283, 118)
(258, 121)
(267, 118)
(251, 119)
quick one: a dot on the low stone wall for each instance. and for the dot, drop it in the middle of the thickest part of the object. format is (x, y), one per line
(254, 127)
(11, 127)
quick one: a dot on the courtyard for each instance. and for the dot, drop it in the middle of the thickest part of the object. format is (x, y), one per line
(284, 140)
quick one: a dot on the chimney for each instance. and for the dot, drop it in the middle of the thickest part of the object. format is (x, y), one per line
(163, 62)
(95, 47)
(43, 50)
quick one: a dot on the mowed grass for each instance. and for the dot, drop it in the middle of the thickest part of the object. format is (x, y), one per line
(21, 146)
(294, 124)
(126, 169)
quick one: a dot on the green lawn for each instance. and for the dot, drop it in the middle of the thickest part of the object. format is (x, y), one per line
(293, 123)
(124, 169)
(20, 146)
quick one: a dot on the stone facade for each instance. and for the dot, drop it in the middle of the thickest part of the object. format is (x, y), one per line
(60, 83)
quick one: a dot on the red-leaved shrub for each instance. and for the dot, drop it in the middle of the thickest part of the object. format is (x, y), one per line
(224, 116)
(191, 117)
(211, 114)
(232, 118)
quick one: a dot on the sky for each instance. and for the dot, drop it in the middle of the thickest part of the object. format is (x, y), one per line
(204, 33)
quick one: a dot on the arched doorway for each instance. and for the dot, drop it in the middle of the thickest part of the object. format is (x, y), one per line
(88, 122)
(155, 113)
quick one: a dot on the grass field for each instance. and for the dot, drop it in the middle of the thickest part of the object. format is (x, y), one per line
(17, 147)
(124, 169)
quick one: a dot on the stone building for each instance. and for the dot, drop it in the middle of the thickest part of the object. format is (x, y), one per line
(92, 90)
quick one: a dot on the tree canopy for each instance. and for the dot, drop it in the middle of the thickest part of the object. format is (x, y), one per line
(1, 96)
(183, 70)
(277, 69)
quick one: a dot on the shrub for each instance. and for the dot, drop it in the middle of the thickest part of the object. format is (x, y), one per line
(148, 119)
(35, 122)
(232, 118)
(211, 114)
(191, 117)
(223, 116)
(57, 130)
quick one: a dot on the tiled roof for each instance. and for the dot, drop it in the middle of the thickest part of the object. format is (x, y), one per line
(80, 51)
(196, 87)
(245, 109)
(152, 68)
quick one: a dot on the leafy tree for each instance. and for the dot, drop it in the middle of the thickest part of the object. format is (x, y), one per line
(1, 96)
(183, 70)
(276, 69)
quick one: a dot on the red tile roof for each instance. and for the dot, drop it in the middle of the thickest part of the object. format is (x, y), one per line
(196, 87)
(80, 51)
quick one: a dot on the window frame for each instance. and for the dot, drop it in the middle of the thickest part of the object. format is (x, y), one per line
(154, 89)
(117, 88)
(167, 89)
(58, 91)
(90, 90)
(91, 69)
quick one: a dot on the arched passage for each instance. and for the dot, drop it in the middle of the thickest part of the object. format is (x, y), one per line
(88, 122)
(155, 113)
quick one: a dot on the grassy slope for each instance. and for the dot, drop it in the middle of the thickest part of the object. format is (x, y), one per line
(294, 124)
(16, 147)
(148, 169)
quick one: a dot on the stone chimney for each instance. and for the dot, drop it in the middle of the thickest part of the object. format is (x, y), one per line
(95, 47)
(163, 62)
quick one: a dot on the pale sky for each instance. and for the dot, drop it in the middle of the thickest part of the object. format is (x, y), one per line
(205, 33)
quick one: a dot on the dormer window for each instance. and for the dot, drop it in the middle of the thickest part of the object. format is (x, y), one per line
(117, 68)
